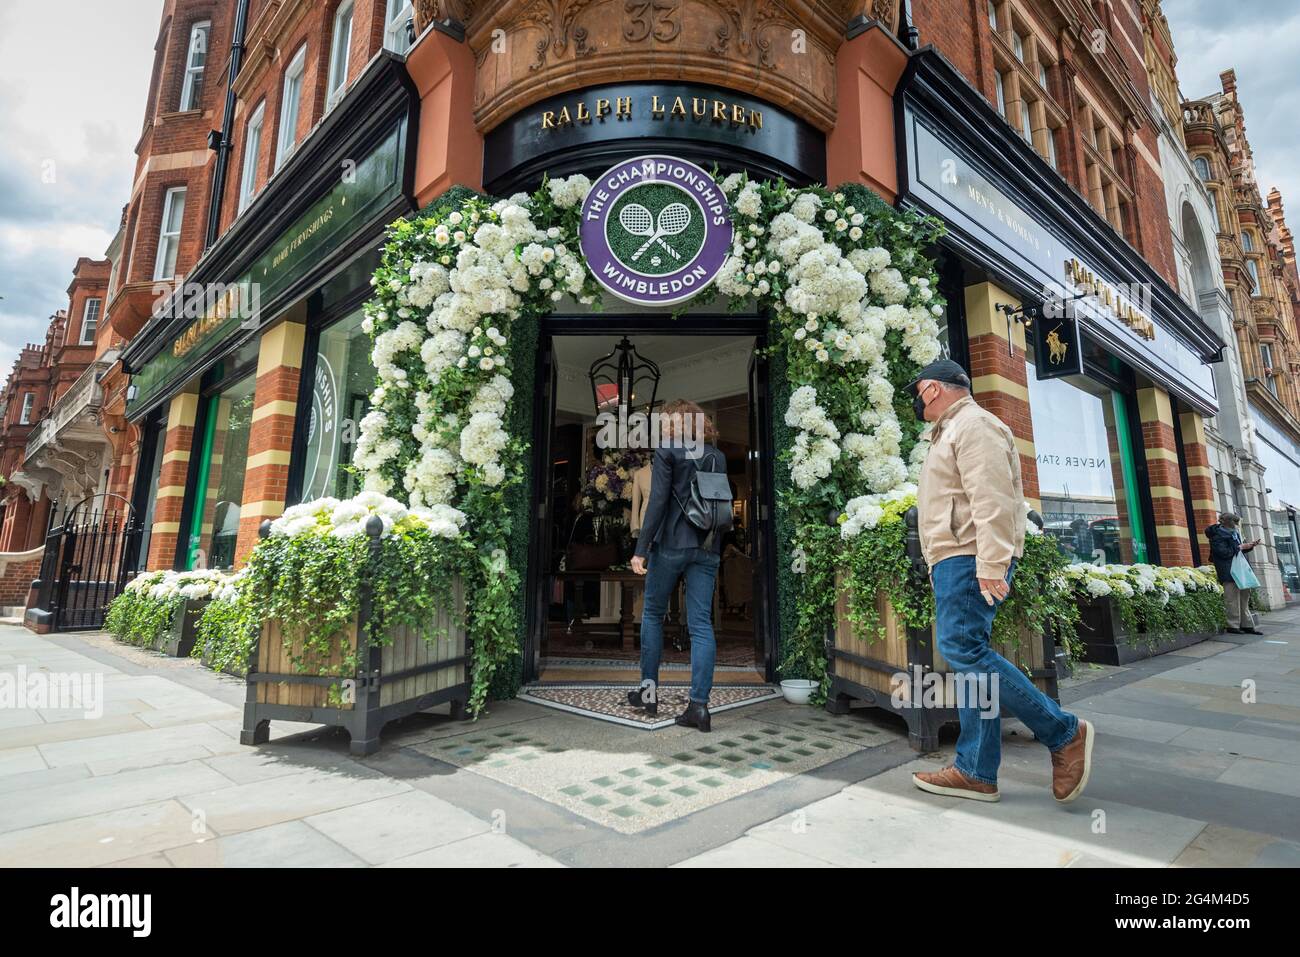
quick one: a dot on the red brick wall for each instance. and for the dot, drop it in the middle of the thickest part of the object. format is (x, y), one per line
(16, 573)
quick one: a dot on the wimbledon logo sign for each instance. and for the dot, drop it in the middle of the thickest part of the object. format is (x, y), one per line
(655, 230)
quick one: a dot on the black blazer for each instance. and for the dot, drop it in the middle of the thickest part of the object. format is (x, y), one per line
(665, 523)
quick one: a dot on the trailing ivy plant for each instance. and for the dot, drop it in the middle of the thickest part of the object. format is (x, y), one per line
(146, 607)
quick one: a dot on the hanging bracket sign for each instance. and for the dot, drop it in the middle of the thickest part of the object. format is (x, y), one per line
(655, 230)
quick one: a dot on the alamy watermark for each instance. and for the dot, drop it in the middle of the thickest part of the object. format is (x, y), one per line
(54, 690)
(920, 688)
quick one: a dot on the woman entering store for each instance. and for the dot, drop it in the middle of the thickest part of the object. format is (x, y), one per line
(676, 550)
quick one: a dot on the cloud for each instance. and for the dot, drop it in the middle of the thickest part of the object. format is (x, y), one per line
(68, 127)
(1260, 40)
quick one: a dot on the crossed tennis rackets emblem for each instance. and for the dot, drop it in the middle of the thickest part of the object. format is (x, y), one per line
(639, 221)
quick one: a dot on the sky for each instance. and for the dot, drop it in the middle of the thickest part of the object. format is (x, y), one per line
(72, 105)
(1260, 39)
(74, 77)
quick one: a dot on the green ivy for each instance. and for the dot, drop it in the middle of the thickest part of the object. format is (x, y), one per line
(137, 618)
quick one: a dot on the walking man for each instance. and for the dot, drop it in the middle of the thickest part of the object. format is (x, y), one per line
(972, 526)
(1225, 545)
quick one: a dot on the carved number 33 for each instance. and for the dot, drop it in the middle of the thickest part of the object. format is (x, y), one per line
(651, 16)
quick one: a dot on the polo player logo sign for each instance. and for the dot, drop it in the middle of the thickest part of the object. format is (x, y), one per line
(655, 230)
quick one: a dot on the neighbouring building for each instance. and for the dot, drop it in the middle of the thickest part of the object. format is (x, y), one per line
(1233, 476)
(1264, 325)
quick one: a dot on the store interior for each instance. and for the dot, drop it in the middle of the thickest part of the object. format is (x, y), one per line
(598, 493)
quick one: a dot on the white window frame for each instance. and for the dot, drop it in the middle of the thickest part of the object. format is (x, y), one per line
(999, 82)
(1018, 46)
(1252, 267)
(1026, 122)
(1051, 146)
(252, 148)
(395, 25)
(192, 73)
(338, 73)
(29, 402)
(290, 106)
(91, 321)
(168, 240)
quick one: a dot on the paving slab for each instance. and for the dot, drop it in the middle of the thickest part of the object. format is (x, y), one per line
(96, 839)
(483, 850)
(391, 828)
(287, 844)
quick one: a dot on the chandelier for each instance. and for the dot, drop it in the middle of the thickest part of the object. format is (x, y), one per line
(622, 378)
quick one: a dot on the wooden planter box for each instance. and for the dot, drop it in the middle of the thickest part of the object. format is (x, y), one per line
(205, 659)
(406, 675)
(1105, 641)
(863, 669)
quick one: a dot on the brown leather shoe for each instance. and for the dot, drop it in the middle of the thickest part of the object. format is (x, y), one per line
(952, 783)
(1072, 764)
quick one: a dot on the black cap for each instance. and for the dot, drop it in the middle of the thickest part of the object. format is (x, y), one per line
(941, 370)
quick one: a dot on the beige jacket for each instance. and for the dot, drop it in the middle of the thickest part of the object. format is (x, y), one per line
(970, 499)
(640, 497)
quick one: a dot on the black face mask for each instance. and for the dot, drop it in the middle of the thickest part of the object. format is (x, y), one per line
(918, 406)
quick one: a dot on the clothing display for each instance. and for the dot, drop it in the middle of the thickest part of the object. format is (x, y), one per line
(640, 496)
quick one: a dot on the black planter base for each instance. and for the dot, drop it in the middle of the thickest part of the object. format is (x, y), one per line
(923, 724)
(1124, 649)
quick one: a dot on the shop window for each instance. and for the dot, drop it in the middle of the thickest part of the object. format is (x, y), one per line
(29, 400)
(219, 491)
(396, 35)
(169, 237)
(290, 99)
(1086, 471)
(146, 495)
(195, 58)
(342, 40)
(1287, 546)
(90, 321)
(252, 147)
(341, 387)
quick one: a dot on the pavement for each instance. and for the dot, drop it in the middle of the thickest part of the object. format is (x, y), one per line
(1197, 763)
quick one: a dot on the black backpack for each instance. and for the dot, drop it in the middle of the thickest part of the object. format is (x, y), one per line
(708, 504)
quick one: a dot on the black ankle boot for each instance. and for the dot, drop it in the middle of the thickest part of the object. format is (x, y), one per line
(635, 700)
(696, 715)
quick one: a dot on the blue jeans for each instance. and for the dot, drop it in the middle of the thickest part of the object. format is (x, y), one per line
(963, 625)
(667, 565)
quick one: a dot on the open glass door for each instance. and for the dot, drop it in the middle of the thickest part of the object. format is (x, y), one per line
(761, 532)
(539, 556)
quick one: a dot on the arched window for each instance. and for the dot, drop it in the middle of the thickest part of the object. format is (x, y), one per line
(1202, 167)
(1247, 243)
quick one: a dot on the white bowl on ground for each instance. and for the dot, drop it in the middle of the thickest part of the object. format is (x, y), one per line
(798, 690)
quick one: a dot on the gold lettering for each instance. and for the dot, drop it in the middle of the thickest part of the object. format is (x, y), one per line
(548, 120)
(679, 108)
(699, 107)
(756, 119)
(719, 111)
(656, 108)
(623, 106)
(564, 119)
(602, 107)
(737, 113)
(584, 114)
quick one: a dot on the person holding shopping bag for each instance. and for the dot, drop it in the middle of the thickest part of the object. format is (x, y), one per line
(1228, 553)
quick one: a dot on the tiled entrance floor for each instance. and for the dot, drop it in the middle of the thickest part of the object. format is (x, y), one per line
(631, 780)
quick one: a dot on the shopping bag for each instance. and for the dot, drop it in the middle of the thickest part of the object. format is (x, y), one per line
(1242, 575)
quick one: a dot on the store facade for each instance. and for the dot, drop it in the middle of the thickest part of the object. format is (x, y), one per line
(1103, 372)
(248, 383)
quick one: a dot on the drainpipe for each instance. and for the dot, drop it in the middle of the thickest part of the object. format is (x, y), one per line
(219, 140)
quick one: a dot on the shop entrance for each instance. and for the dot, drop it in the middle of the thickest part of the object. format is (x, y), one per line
(590, 493)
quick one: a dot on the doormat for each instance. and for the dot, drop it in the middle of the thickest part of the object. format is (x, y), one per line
(609, 702)
(610, 673)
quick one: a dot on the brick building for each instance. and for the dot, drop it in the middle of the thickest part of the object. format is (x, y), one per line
(281, 137)
(1254, 275)
(1232, 477)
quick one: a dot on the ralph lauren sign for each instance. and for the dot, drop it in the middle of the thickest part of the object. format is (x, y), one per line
(589, 130)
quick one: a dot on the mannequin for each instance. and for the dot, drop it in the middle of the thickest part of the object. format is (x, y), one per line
(640, 496)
